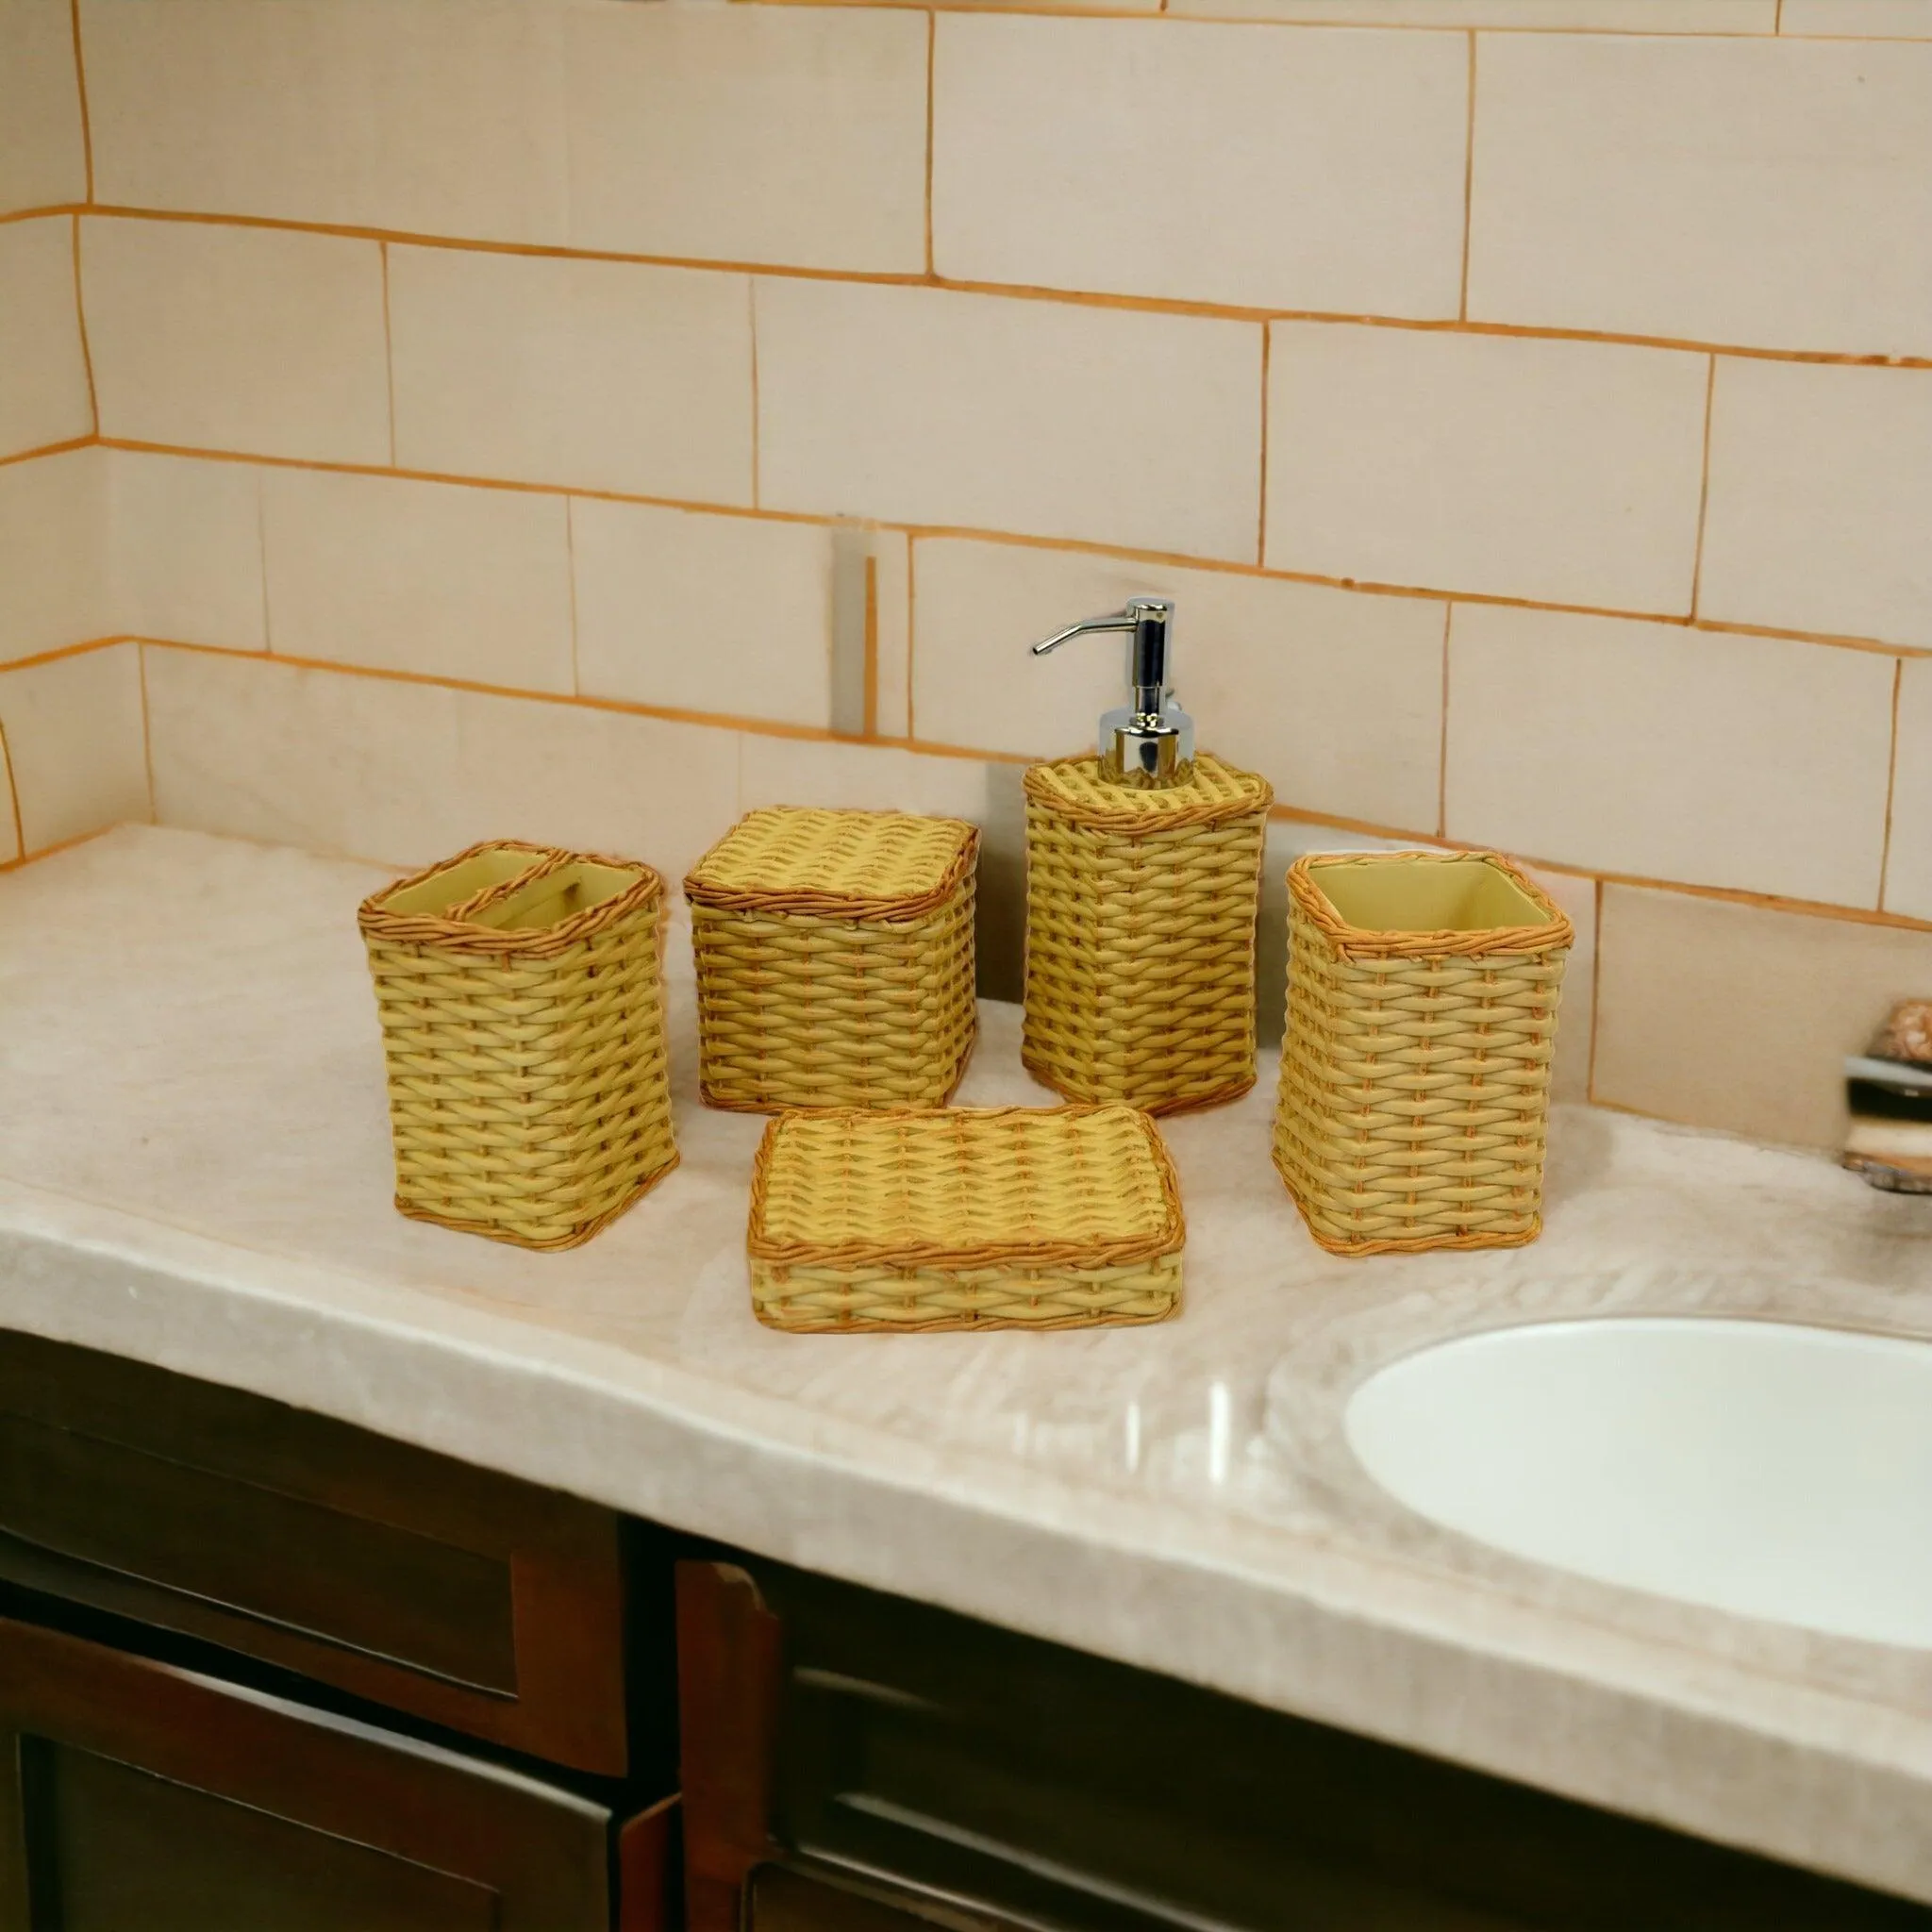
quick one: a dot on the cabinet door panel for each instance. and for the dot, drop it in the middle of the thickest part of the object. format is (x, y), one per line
(477, 1602)
(147, 1799)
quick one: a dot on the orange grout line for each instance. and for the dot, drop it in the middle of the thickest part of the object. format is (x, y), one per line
(1596, 992)
(1261, 519)
(1467, 185)
(86, 131)
(764, 727)
(932, 35)
(1021, 292)
(49, 449)
(42, 214)
(60, 651)
(569, 553)
(389, 357)
(751, 301)
(13, 796)
(147, 745)
(911, 627)
(59, 845)
(1339, 22)
(768, 727)
(1703, 489)
(87, 356)
(268, 636)
(965, 533)
(870, 711)
(1443, 746)
(1898, 678)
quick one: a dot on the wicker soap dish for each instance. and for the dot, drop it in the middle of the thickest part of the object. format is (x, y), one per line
(1415, 1074)
(835, 962)
(1004, 1217)
(522, 1019)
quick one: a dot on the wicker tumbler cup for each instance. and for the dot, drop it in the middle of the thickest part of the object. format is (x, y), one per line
(1415, 1074)
(522, 1020)
(1141, 934)
(835, 959)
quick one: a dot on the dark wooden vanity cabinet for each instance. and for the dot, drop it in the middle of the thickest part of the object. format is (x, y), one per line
(261, 1671)
(856, 1761)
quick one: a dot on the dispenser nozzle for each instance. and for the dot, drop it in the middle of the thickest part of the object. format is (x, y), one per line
(1150, 742)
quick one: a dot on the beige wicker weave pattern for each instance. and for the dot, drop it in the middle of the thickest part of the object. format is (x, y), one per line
(976, 1218)
(522, 1021)
(1141, 934)
(835, 959)
(1416, 1067)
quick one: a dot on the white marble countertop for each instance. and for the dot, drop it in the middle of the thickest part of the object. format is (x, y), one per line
(195, 1171)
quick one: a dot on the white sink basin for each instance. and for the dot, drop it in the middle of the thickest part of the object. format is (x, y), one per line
(1757, 1467)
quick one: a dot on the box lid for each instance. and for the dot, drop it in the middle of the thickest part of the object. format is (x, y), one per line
(876, 864)
(968, 1188)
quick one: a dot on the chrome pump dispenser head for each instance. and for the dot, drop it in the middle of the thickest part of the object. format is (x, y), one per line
(1150, 742)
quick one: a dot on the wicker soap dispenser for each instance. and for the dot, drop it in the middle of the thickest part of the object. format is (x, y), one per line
(1143, 869)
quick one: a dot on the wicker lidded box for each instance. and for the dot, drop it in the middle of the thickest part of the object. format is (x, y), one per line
(1415, 1074)
(1005, 1217)
(1140, 933)
(522, 1021)
(835, 959)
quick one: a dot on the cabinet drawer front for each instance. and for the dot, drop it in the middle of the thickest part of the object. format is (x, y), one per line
(467, 1598)
(138, 1798)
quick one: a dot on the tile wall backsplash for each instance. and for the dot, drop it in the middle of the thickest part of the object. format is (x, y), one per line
(433, 419)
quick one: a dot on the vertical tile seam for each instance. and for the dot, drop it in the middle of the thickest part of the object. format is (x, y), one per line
(911, 628)
(87, 134)
(1261, 518)
(751, 303)
(570, 570)
(1898, 678)
(268, 638)
(12, 794)
(1596, 993)
(87, 354)
(932, 35)
(868, 710)
(389, 357)
(1468, 184)
(1443, 737)
(147, 746)
(1703, 488)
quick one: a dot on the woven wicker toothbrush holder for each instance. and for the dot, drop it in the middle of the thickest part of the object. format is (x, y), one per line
(1415, 1073)
(1141, 910)
(835, 959)
(520, 997)
(1004, 1217)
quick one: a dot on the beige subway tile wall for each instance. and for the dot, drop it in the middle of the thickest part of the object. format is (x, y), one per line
(1905, 19)
(1203, 164)
(1739, 1016)
(384, 768)
(1567, 472)
(1821, 499)
(42, 152)
(424, 117)
(260, 339)
(1668, 754)
(749, 134)
(1653, 187)
(184, 549)
(433, 578)
(605, 374)
(76, 739)
(43, 385)
(1337, 699)
(729, 394)
(1908, 866)
(703, 613)
(922, 405)
(52, 553)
